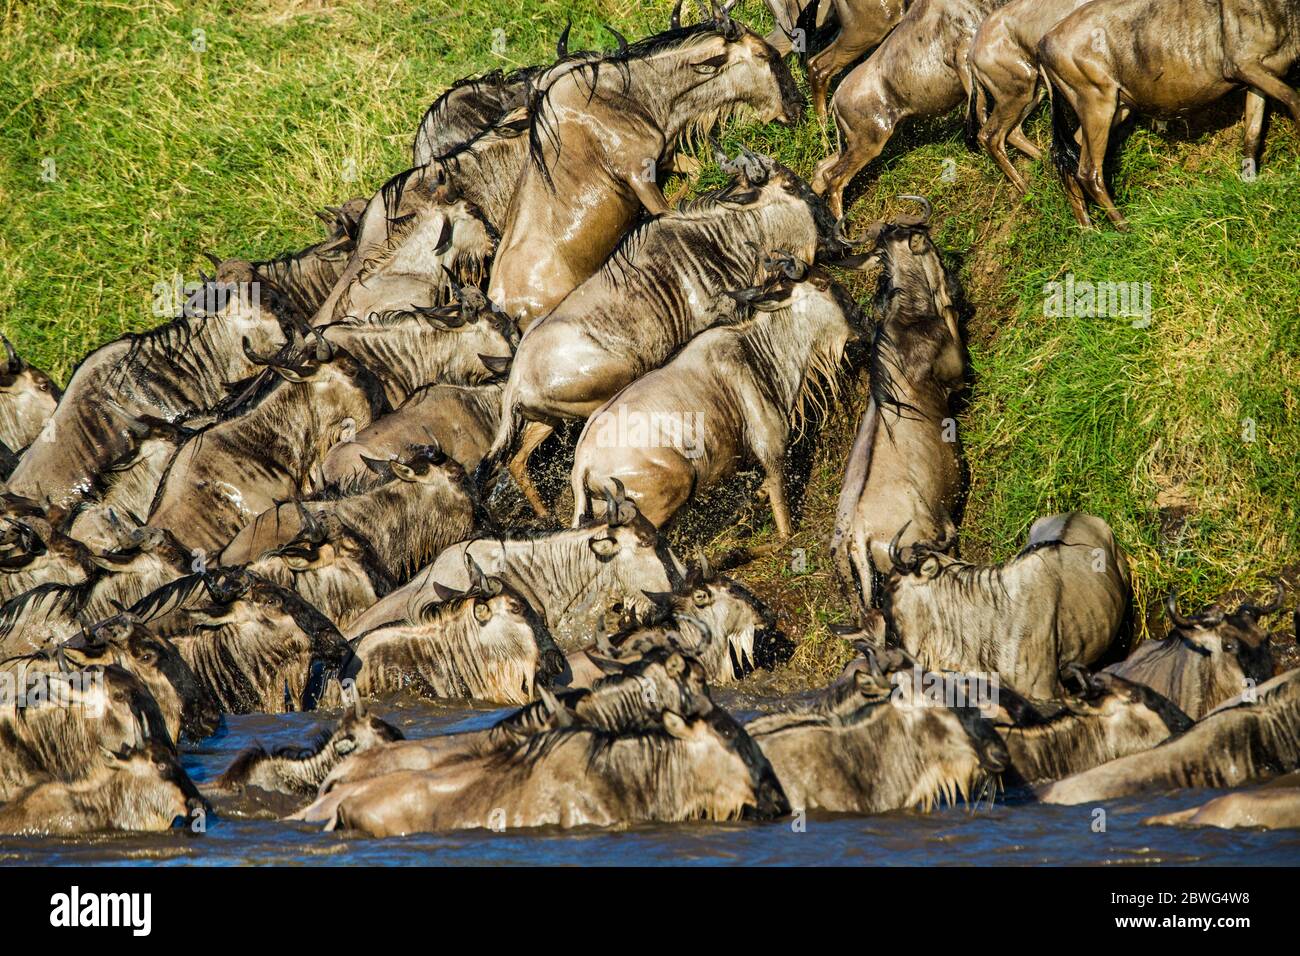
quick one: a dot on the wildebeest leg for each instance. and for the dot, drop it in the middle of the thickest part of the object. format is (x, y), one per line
(534, 434)
(1261, 81)
(1254, 123)
(823, 67)
(865, 134)
(774, 487)
(1009, 110)
(1095, 126)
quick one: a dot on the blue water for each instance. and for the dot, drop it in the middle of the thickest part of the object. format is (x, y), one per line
(1006, 834)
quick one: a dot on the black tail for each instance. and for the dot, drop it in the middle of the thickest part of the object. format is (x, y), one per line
(975, 116)
(1065, 151)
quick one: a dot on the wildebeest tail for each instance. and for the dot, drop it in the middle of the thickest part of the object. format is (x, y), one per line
(978, 106)
(1065, 150)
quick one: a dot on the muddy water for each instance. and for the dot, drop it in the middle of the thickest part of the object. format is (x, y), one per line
(1006, 834)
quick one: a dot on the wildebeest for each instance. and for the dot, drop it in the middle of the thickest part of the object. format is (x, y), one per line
(732, 395)
(601, 129)
(483, 643)
(466, 109)
(863, 25)
(374, 540)
(1106, 61)
(186, 706)
(614, 703)
(872, 742)
(1063, 600)
(34, 552)
(1251, 737)
(265, 446)
(461, 420)
(54, 611)
(1004, 74)
(416, 243)
(125, 490)
(1110, 717)
(918, 70)
(142, 789)
(904, 470)
(27, 400)
(1207, 658)
(663, 284)
(668, 767)
(1264, 807)
(569, 577)
(257, 646)
(302, 770)
(171, 372)
(465, 344)
(56, 724)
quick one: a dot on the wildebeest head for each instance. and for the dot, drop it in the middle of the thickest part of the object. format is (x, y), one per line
(189, 707)
(633, 552)
(1229, 638)
(483, 642)
(731, 53)
(27, 399)
(159, 789)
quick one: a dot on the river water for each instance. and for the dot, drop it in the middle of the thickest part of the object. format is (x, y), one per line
(1008, 833)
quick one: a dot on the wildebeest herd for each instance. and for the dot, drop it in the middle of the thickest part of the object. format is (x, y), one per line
(296, 494)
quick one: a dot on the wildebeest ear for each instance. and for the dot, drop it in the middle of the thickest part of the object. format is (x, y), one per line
(403, 472)
(661, 599)
(711, 65)
(674, 724)
(857, 262)
(378, 466)
(294, 375)
(444, 593)
(604, 547)
(496, 364)
(606, 665)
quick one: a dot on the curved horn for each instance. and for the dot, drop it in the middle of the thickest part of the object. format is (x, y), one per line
(1171, 608)
(15, 362)
(252, 356)
(315, 533)
(622, 40)
(213, 258)
(562, 44)
(324, 351)
(842, 237)
(1257, 611)
(895, 556)
(926, 209)
(675, 21)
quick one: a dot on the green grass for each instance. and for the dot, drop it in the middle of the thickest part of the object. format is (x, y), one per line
(162, 151)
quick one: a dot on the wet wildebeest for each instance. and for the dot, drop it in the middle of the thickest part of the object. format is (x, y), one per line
(662, 285)
(52, 612)
(187, 707)
(569, 577)
(1248, 738)
(465, 344)
(873, 741)
(918, 70)
(257, 646)
(1207, 657)
(55, 724)
(125, 490)
(143, 789)
(615, 703)
(1109, 718)
(466, 109)
(733, 394)
(27, 400)
(904, 469)
(1264, 807)
(1004, 74)
(863, 25)
(337, 547)
(461, 420)
(601, 129)
(1109, 60)
(265, 446)
(171, 372)
(713, 618)
(416, 243)
(1062, 600)
(667, 767)
(297, 770)
(484, 643)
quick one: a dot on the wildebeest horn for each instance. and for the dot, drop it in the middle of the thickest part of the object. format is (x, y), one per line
(15, 362)
(213, 258)
(926, 209)
(562, 44)
(619, 510)
(252, 356)
(478, 581)
(324, 351)
(843, 239)
(675, 21)
(1257, 611)
(622, 40)
(1171, 608)
(444, 237)
(311, 527)
(895, 557)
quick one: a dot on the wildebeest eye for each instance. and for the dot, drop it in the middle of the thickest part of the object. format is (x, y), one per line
(1230, 645)
(482, 613)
